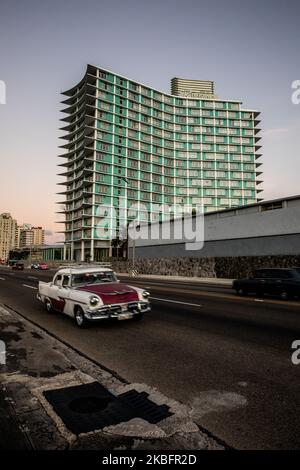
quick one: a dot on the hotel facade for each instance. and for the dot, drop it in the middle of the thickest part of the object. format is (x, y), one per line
(131, 146)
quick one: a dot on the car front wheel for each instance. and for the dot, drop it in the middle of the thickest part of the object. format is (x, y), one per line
(286, 295)
(80, 319)
(241, 291)
(138, 317)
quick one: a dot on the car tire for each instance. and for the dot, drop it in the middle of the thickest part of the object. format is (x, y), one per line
(241, 291)
(260, 294)
(286, 295)
(138, 317)
(80, 319)
(48, 306)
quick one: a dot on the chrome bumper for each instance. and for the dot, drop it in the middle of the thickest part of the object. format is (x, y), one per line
(121, 311)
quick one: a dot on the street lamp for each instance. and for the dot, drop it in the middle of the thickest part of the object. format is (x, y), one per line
(127, 237)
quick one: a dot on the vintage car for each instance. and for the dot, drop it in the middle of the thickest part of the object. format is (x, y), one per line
(41, 266)
(284, 282)
(91, 293)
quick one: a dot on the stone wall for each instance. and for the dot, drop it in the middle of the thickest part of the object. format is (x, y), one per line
(244, 266)
(191, 267)
(229, 267)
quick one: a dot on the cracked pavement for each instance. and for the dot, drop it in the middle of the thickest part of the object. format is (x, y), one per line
(36, 362)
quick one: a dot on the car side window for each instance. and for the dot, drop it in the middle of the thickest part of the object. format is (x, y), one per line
(276, 274)
(292, 275)
(66, 280)
(259, 274)
(270, 274)
(286, 274)
(57, 280)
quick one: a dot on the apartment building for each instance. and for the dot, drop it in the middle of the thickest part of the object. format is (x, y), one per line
(130, 145)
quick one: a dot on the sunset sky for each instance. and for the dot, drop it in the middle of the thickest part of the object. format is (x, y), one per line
(249, 49)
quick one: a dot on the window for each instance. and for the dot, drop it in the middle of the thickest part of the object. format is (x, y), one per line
(224, 201)
(207, 200)
(57, 281)
(66, 281)
(208, 165)
(272, 206)
(132, 173)
(207, 183)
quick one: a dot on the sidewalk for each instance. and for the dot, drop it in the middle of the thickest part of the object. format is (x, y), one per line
(39, 366)
(190, 280)
(12, 437)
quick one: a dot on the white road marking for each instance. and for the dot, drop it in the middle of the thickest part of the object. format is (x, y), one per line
(32, 277)
(29, 287)
(2, 279)
(176, 302)
(258, 300)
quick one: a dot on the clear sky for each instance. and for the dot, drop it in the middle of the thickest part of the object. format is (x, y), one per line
(251, 49)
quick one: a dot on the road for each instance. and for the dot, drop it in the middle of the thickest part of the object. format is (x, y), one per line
(227, 357)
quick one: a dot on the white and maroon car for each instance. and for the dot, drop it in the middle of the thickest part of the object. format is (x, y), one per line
(92, 293)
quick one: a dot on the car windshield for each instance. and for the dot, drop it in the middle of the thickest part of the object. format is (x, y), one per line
(93, 278)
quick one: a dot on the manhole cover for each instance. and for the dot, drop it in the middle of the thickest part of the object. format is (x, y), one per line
(85, 408)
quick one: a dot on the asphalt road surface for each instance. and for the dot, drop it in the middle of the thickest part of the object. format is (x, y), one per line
(228, 357)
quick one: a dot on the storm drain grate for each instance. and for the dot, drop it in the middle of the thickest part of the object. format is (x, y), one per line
(88, 407)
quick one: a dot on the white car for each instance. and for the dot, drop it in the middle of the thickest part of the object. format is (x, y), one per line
(92, 293)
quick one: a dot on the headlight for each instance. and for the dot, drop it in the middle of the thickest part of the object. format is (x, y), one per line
(145, 294)
(94, 300)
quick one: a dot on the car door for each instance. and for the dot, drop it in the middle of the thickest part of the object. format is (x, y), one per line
(260, 281)
(287, 283)
(63, 293)
(58, 293)
(272, 282)
(278, 282)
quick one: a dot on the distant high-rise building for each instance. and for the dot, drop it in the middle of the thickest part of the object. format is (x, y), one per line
(38, 236)
(26, 238)
(31, 236)
(18, 236)
(129, 144)
(8, 227)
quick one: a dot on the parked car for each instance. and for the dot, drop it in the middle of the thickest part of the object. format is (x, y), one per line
(34, 266)
(41, 266)
(92, 293)
(284, 282)
(19, 266)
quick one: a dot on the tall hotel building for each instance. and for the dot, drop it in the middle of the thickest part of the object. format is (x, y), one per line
(8, 227)
(127, 143)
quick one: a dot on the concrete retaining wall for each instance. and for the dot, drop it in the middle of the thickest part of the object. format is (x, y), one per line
(225, 267)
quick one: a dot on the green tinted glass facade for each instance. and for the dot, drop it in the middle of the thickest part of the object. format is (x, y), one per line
(128, 142)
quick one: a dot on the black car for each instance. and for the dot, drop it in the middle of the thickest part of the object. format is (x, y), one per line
(284, 282)
(18, 266)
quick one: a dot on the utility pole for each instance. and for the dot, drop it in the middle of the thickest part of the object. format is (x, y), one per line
(133, 241)
(30, 255)
(133, 252)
